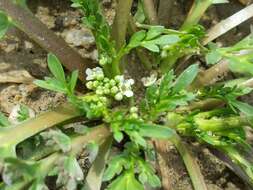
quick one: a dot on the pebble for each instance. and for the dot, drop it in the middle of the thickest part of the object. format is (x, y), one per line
(79, 37)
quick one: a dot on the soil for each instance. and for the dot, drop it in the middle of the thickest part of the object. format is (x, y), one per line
(19, 53)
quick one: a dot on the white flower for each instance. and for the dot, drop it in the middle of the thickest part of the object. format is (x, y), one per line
(94, 73)
(125, 86)
(148, 81)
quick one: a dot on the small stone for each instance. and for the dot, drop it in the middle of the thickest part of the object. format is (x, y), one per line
(79, 37)
(28, 45)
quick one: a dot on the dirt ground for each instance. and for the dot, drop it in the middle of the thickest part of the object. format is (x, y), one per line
(21, 61)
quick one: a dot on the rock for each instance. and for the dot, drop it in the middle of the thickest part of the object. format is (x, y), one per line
(43, 15)
(79, 37)
(28, 45)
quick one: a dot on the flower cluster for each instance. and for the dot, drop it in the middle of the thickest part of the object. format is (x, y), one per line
(118, 87)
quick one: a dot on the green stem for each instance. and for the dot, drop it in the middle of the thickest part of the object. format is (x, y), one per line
(219, 124)
(14, 135)
(197, 10)
(190, 164)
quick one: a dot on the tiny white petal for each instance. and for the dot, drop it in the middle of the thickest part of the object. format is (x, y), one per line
(128, 93)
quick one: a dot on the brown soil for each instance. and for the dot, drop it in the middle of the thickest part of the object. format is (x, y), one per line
(18, 52)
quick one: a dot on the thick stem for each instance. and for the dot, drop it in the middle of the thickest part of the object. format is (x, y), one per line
(150, 12)
(120, 23)
(218, 124)
(46, 38)
(197, 10)
(14, 135)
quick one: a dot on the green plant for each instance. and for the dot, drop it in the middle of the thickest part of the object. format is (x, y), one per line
(173, 108)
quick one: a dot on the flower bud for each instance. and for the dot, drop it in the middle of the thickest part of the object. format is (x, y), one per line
(114, 90)
(133, 109)
(100, 77)
(99, 92)
(118, 96)
(89, 85)
(112, 82)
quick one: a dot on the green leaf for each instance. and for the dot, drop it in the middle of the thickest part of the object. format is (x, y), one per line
(73, 81)
(240, 66)
(139, 15)
(118, 136)
(166, 84)
(153, 32)
(166, 40)
(61, 139)
(150, 46)
(93, 149)
(73, 173)
(56, 68)
(4, 122)
(156, 131)
(23, 113)
(137, 38)
(213, 57)
(4, 24)
(127, 181)
(154, 180)
(243, 107)
(51, 84)
(186, 78)
(114, 168)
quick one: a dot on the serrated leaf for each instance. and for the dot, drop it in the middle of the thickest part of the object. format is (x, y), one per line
(154, 31)
(186, 78)
(166, 84)
(150, 46)
(56, 68)
(115, 167)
